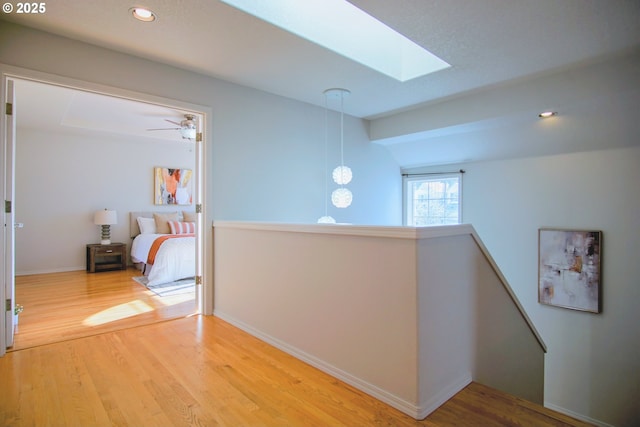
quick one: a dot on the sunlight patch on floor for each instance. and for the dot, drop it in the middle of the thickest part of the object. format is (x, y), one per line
(172, 300)
(118, 312)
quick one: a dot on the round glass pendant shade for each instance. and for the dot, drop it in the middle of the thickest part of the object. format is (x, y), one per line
(326, 220)
(342, 175)
(341, 197)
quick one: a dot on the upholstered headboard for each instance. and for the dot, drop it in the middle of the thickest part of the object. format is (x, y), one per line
(134, 228)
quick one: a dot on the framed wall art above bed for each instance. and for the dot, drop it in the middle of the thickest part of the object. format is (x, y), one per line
(569, 269)
(173, 186)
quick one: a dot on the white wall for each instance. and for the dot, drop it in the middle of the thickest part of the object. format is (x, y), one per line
(263, 153)
(265, 159)
(272, 151)
(317, 294)
(62, 178)
(469, 319)
(593, 360)
(411, 329)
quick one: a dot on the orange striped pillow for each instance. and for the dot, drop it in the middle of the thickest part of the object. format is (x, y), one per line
(178, 227)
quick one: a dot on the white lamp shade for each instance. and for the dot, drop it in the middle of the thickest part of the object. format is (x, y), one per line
(341, 197)
(342, 175)
(105, 217)
(326, 220)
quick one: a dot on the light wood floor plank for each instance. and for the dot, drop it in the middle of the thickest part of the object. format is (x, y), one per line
(201, 371)
(63, 306)
(198, 371)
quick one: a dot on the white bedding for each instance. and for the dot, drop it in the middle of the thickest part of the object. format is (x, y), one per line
(176, 258)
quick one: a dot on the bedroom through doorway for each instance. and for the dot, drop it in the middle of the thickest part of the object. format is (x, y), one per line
(78, 152)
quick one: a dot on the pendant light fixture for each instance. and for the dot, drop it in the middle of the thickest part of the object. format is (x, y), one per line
(341, 197)
(342, 175)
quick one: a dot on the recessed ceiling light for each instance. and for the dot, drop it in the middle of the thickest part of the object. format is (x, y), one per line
(547, 114)
(347, 30)
(142, 14)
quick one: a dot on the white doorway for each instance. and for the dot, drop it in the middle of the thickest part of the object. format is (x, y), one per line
(34, 106)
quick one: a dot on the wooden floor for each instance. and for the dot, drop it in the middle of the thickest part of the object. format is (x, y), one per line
(201, 371)
(62, 306)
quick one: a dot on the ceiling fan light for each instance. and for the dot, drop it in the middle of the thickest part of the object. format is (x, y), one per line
(188, 132)
(187, 129)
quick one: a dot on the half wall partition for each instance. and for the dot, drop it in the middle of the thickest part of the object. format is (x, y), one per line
(408, 315)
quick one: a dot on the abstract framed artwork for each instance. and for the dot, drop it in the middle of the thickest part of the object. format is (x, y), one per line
(569, 269)
(173, 186)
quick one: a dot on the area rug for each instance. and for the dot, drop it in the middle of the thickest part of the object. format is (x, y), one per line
(178, 287)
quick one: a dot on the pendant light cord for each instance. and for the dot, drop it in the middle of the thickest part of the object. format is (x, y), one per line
(341, 137)
(326, 161)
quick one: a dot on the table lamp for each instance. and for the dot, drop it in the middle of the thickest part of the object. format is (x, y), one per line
(105, 218)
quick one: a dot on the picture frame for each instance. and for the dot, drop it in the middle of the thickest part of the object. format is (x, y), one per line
(173, 186)
(569, 269)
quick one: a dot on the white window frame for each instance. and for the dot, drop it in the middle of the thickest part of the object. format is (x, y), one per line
(407, 198)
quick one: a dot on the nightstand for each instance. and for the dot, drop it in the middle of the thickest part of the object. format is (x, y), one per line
(106, 257)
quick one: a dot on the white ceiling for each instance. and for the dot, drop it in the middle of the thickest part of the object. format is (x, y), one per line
(486, 42)
(79, 111)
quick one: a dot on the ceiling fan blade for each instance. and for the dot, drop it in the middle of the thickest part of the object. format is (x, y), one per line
(166, 129)
(171, 121)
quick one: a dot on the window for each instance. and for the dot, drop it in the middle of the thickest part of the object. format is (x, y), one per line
(432, 199)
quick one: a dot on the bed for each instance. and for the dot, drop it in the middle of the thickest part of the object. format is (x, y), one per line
(163, 245)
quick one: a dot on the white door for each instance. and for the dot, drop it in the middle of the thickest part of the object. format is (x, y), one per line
(198, 202)
(9, 218)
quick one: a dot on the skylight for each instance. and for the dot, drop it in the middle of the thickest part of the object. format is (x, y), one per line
(343, 28)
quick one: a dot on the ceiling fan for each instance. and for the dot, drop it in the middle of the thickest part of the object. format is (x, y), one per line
(187, 127)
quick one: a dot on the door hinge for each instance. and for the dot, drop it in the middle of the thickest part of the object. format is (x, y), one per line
(9, 109)
(7, 206)
(199, 208)
(7, 305)
(198, 280)
(199, 137)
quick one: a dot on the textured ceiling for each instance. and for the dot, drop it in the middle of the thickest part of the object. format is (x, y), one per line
(486, 42)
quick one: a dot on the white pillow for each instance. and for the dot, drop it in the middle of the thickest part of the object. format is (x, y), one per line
(147, 225)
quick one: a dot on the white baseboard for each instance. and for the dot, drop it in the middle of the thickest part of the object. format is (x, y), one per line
(417, 412)
(443, 395)
(576, 415)
(50, 270)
